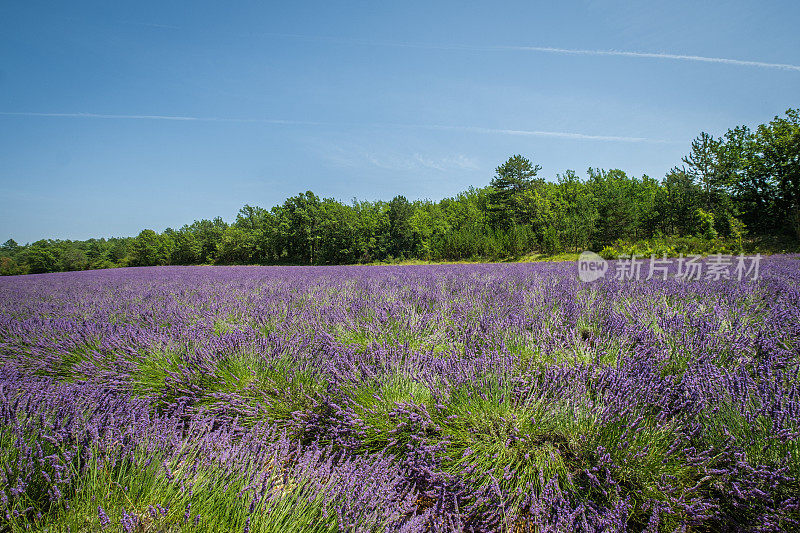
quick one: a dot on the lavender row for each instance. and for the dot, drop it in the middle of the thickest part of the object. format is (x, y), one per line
(451, 398)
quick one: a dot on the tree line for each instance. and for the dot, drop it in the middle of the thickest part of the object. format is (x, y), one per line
(726, 194)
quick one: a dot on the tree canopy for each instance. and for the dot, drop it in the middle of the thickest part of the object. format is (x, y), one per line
(742, 187)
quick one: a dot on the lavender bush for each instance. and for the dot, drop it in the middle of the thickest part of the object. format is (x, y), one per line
(443, 398)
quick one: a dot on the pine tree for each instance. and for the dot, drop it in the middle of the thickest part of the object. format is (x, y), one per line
(511, 178)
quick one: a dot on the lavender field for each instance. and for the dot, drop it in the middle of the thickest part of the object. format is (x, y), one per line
(421, 398)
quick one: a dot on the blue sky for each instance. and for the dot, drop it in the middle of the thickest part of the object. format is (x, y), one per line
(119, 116)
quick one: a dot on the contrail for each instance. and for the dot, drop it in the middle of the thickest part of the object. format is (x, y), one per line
(542, 49)
(519, 48)
(440, 127)
(165, 117)
(653, 55)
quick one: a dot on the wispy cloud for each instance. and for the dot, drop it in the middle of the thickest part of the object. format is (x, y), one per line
(163, 117)
(542, 133)
(359, 156)
(389, 126)
(457, 162)
(542, 49)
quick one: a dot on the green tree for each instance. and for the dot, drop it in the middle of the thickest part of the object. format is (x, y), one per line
(209, 234)
(511, 178)
(9, 267)
(97, 253)
(701, 163)
(550, 241)
(430, 225)
(744, 184)
(252, 217)
(299, 227)
(576, 213)
(41, 257)
(237, 246)
(118, 249)
(338, 233)
(780, 144)
(401, 235)
(536, 207)
(705, 223)
(72, 258)
(187, 248)
(9, 247)
(149, 249)
(676, 201)
(613, 195)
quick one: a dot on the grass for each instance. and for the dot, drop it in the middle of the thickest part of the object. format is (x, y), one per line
(177, 490)
(376, 405)
(252, 386)
(488, 435)
(491, 433)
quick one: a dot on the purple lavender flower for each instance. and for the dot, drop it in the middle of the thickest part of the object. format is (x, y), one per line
(104, 520)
